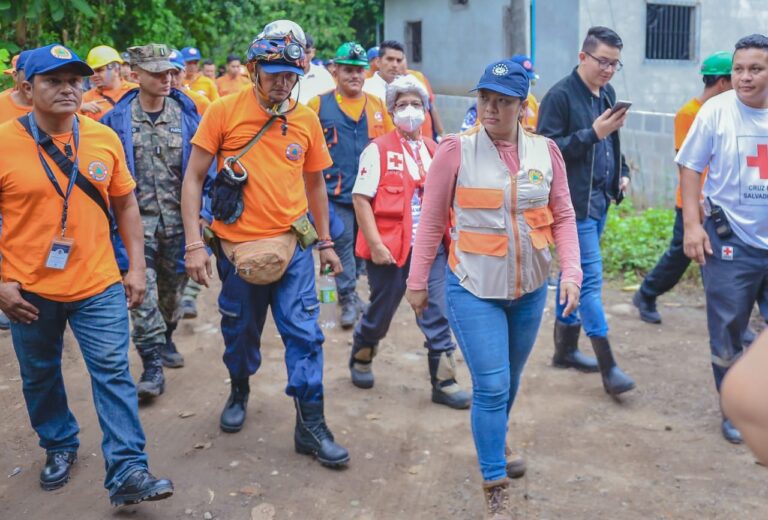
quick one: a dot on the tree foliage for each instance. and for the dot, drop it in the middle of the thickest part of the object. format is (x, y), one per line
(217, 28)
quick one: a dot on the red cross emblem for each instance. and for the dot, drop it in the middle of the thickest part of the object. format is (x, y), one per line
(395, 161)
(760, 161)
(727, 253)
(363, 172)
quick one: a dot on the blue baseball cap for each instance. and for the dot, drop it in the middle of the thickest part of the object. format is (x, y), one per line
(373, 52)
(176, 59)
(53, 57)
(190, 54)
(527, 64)
(505, 77)
(274, 68)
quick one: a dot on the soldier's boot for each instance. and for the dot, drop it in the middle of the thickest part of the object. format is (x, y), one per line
(498, 503)
(188, 308)
(350, 310)
(615, 381)
(233, 415)
(361, 365)
(445, 389)
(567, 353)
(152, 381)
(516, 465)
(313, 437)
(171, 357)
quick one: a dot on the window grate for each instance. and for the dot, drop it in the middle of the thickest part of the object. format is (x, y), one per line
(413, 41)
(669, 32)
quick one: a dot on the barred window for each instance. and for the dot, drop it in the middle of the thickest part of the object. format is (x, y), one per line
(669, 32)
(413, 41)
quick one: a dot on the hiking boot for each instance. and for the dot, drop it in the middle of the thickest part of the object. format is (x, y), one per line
(171, 357)
(56, 471)
(445, 389)
(361, 365)
(615, 381)
(498, 503)
(516, 465)
(152, 381)
(141, 485)
(233, 415)
(312, 436)
(647, 307)
(350, 310)
(730, 432)
(188, 309)
(567, 354)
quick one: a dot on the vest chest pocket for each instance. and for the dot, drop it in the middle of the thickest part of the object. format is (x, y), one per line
(540, 221)
(389, 201)
(480, 207)
(331, 136)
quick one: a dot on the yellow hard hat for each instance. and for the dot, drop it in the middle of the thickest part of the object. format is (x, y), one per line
(102, 55)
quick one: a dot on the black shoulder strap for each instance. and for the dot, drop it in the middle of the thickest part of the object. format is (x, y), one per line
(109, 99)
(66, 166)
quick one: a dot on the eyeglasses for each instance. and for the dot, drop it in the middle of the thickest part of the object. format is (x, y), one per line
(606, 64)
(406, 104)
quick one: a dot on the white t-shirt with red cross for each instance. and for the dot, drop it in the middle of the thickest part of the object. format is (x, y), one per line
(369, 173)
(732, 139)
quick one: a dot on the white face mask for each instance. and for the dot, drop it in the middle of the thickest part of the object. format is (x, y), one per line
(409, 119)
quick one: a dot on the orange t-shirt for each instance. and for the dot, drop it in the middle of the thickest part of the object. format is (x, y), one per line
(31, 210)
(9, 109)
(274, 194)
(354, 107)
(683, 121)
(227, 85)
(115, 94)
(201, 102)
(203, 85)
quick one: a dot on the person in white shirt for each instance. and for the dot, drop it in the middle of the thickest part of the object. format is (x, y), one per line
(316, 80)
(730, 135)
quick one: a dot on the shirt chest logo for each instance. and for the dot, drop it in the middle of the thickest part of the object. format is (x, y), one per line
(535, 176)
(98, 170)
(395, 161)
(294, 152)
(753, 170)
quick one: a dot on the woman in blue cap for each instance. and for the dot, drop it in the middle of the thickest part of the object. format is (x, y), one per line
(506, 195)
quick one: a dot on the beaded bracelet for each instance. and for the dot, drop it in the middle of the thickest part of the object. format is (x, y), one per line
(324, 244)
(194, 245)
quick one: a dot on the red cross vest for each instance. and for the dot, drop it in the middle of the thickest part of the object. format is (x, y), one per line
(392, 203)
(501, 221)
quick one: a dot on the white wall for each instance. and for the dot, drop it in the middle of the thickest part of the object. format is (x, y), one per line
(666, 86)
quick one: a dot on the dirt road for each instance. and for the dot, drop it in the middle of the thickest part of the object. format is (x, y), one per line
(657, 454)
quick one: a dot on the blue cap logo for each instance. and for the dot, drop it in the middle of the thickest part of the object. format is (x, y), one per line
(500, 70)
(61, 52)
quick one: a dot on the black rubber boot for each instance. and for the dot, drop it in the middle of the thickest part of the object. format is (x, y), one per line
(567, 354)
(56, 471)
(445, 389)
(615, 381)
(152, 381)
(233, 415)
(350, 310)
(171, 356)
(361, 365)
(141, 485)
(312, 436)
(647, 307)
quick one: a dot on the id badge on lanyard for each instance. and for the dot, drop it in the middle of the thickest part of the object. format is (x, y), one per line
(416, 156)
(61, 247)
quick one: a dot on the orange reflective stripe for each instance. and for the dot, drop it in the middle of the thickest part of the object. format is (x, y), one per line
(483, 243)
(540, 238)
(538, 217)
(479, 198)
(452, 260)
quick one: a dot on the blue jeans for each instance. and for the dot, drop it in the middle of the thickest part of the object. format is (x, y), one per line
(295, 309)
(344, 245)
(590, 309)
(387, 283)
(495, 337)
(100, 325)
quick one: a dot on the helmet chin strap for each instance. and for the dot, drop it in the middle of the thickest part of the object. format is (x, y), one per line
(278, 109)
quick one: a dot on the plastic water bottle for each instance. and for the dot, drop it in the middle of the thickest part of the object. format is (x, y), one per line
(327, 288)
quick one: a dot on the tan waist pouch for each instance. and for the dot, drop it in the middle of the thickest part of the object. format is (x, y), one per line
(261, 262)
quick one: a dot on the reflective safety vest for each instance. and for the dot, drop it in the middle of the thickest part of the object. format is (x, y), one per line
(392, 203)
(501, 221)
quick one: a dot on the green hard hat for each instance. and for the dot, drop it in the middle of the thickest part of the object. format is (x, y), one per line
(717, 64)
(351, 53)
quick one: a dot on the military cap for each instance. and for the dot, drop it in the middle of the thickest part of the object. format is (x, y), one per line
(153, 57)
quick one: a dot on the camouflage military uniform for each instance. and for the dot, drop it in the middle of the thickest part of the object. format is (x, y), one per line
(158, 157)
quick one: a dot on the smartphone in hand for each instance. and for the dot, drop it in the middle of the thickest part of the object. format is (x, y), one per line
(620, 105)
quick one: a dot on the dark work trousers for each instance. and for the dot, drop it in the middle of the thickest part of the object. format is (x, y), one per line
(732, 286)
(387, 285)
(671, 266)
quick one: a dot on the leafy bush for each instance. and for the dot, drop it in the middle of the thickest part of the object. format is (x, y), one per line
(634, 241)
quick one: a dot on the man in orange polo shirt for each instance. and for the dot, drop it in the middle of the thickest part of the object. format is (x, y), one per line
(350, 119)
(59, 176)
(716, 75)
(233, 81)
(194, 79)
(109, 85)
(15, 102)
(258, 199)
